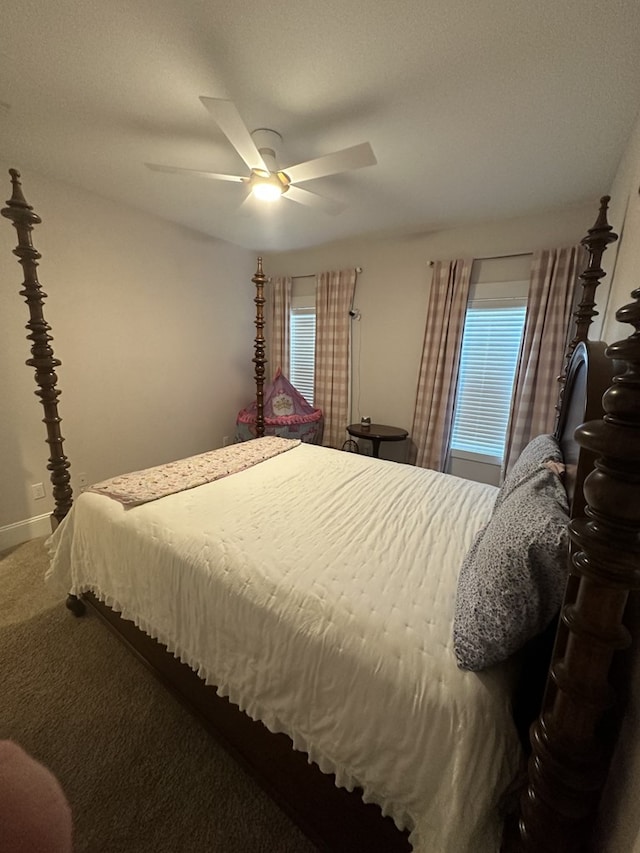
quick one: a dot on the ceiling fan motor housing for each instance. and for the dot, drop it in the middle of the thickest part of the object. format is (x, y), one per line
(267, 142)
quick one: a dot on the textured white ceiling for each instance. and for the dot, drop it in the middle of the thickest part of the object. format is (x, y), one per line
(475, 110)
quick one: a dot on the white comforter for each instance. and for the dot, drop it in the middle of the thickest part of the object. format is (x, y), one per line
(317, 590)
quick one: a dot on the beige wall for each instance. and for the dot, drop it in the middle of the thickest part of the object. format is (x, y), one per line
(153, 324)
(622, 261)
(392, 295)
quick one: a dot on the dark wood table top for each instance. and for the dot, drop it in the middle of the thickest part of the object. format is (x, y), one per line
(377, 431)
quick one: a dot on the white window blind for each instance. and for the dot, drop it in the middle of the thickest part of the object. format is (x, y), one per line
(302, 355)
(490, 349)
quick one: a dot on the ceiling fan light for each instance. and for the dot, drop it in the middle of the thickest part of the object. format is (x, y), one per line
(268, 186)
(267, 190)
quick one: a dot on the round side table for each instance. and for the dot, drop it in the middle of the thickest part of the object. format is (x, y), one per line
(377, 433)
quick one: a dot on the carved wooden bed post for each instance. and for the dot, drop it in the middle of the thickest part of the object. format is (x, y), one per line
(570, 753)
(259, 359)
(596, 241)
(42, 358)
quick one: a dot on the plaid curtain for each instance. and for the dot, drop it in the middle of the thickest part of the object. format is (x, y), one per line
(278, 324)
(438, 378)
(554, 273)
(334, 296)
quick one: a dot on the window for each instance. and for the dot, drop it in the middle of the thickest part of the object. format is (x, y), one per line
(302, 350)
(490, 348)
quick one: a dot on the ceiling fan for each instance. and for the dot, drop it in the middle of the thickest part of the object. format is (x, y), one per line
(266, 180)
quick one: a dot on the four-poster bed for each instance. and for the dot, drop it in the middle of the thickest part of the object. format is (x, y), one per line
(568, 761)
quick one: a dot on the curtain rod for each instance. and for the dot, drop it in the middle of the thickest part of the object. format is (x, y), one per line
(496, 257)
(313, 274)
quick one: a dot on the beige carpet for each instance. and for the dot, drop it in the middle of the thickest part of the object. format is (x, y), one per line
(141, 774)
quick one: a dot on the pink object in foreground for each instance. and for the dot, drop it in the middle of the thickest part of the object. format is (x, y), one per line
(35, 816)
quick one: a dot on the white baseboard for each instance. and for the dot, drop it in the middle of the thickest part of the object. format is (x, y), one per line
(21, 531)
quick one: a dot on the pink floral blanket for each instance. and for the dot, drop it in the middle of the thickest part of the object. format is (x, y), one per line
(140, 487)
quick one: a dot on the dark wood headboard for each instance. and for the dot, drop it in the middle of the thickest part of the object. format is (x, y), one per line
(584, 403)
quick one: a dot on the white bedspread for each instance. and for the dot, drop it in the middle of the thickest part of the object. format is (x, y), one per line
(317, 590)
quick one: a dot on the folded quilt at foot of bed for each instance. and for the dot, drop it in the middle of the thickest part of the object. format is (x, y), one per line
(140, 487)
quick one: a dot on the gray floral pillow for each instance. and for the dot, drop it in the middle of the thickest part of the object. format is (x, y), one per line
(542, 448)
(512, 579)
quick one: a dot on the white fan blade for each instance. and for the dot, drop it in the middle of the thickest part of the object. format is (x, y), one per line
(228, 119)
(313, 200)
(214, 176)
(332, 164)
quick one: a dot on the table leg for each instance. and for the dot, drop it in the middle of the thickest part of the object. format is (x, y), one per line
(376, 447)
